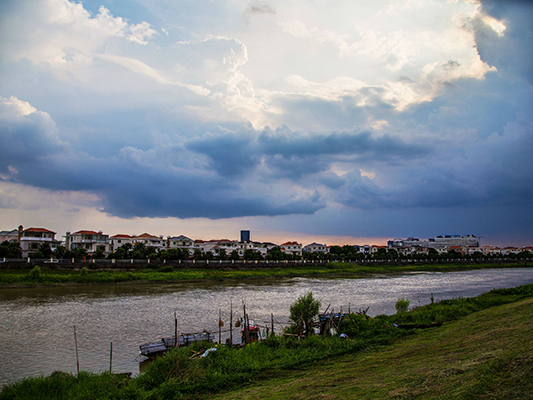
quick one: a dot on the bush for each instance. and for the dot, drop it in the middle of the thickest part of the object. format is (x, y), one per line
(84, 271)
(303, 312)
(402, 305)
(35, 273)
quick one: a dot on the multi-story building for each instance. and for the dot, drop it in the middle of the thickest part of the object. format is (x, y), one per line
(9, 236)
(181, 242)
(119, 240)
(316, 248)
(293, 248)
(439, 242)
(88, 240)
(31, 239)
(158, 242)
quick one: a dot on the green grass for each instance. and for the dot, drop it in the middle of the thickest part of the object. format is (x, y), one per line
(483, 350)
(62, 277)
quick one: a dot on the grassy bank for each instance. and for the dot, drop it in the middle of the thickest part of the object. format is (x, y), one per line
(483, 350)
(84, 276)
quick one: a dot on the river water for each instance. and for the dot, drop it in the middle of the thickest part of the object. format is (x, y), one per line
(37, 325)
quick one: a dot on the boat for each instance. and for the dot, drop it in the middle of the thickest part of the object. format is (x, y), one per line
(155, 349)
(253, 332)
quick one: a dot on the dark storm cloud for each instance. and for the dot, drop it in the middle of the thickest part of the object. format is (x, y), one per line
(139, 183)
(292, 155)
(510, 53)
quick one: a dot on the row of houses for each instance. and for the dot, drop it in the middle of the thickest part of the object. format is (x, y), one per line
(91, 241)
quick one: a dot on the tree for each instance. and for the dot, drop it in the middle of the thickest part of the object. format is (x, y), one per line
(45, 249)
(10, 250)
(250, 254)
(275, 253)
(198, 255)
(303, 312)
(60, 252)
(222, 255)
(234, 255)
(98, 254)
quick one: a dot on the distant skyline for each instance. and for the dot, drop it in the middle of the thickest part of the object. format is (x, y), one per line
(331, 122)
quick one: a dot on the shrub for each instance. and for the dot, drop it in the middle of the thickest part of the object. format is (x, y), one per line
(84, 271)
(402, 305)
(35, 273)
(303, 312)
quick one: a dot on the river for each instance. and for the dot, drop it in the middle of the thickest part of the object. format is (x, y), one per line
(37, 325)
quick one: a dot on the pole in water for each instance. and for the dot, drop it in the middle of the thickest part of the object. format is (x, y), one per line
(175, 330)
(76, 343)
(231, 322)
(111, 358)
(219, 326)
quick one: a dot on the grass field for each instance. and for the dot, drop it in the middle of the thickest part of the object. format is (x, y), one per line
(486, 355)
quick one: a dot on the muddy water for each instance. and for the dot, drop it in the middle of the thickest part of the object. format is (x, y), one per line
(37, 325)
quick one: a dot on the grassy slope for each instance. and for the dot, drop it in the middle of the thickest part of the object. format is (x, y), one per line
(487, 355)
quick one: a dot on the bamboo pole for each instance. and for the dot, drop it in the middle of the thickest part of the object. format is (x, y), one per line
(219, 326)
(246, 325)
(231, 322)
(76, 343)
(111, 358)
(272, 322)
(175, 330)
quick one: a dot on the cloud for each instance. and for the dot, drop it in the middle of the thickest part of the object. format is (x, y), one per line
(134, 182)
(507, 49)
(404, 108)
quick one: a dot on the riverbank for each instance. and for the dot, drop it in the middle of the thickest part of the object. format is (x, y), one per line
(487, 355)
(45, 277)
(483, 349)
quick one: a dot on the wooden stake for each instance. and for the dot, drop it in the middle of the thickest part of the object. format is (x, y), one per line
(231, 322)
(272, 321)
(219, 327)
(77, 358)
(175, 330)
(111, 358)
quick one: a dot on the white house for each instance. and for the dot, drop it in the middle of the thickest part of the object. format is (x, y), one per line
(316, 248)
(293, 248)
(32, 238)
(88, 240)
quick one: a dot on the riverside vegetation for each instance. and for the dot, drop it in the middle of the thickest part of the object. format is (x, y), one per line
(484, 349)
(47, 275)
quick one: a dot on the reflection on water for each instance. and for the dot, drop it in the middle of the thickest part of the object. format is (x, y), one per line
(37, 333)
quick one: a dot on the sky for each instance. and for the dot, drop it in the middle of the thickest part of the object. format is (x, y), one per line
(341, 122)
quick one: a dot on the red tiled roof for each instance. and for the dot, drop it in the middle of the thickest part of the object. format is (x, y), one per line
(121, 236)
(38, 230)
(290, 244)
(145, 236)
(87, 233)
